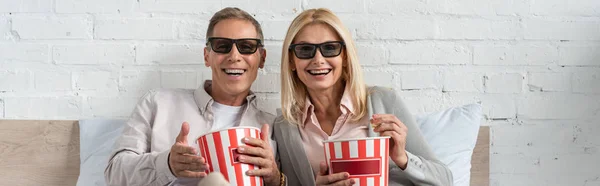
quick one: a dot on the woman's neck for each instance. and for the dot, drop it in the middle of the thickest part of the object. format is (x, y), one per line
(327, 101)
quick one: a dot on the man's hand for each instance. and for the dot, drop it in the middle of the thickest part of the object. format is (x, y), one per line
(183, 161)
(259, 152)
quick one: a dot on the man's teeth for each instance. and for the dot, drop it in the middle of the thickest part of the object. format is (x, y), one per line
(234, 71)
(319, 72)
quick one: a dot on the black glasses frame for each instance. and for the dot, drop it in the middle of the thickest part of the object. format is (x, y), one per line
(317, 46)
(233, 41)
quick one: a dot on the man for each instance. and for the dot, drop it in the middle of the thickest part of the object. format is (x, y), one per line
(156, 150)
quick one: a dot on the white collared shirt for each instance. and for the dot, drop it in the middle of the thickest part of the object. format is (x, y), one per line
(140, 155)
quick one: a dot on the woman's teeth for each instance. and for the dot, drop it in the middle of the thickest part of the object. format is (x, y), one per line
(319, 72)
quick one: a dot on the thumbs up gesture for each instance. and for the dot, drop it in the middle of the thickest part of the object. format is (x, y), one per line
(183, 161)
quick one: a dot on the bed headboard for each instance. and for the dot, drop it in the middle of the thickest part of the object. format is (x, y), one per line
(480, 160)
(42, 152)
(39, 152)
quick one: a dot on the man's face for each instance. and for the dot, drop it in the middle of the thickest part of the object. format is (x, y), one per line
(233, 72)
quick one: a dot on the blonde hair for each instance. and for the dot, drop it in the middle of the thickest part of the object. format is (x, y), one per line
(294, 92)
(233, 13)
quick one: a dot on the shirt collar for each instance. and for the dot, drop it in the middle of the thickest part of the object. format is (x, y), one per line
(205, 100)
(346, 107)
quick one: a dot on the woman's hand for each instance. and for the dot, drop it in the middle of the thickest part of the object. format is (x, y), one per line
(389, 125)
(337, 179)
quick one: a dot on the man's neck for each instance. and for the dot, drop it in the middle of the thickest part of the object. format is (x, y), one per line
(223, 98)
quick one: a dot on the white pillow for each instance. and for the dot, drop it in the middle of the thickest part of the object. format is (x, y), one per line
(452, 135)
(96, 141)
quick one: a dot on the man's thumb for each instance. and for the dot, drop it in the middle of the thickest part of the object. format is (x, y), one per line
(185, 130)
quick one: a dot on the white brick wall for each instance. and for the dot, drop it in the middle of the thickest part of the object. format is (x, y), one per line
(94, 82)
(549, 81)
(534, 65)
(457, 81)
(426, 79)
(379, 78)
(527, 54)
(579, 55)
(170, 54)
(23, 52)
(53, 27)
(43, 107)
(565, 8)
(477, 28)
(267, 82)
(93, 54)
(179, 79)
(29, 6)
(372, 55)
(486, 8)
(4, 29)
(557, 106)
(134, 28)
(110, 106)
(48, 81)
(183, 7)
(15, 81)
(93, 6)
(421, 53)
(504, 83)
(1, 107)
(586, 82)
(133, 82)
(561, 29)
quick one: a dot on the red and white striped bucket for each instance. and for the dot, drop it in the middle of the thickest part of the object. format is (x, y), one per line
(365, 159)
(220, 151)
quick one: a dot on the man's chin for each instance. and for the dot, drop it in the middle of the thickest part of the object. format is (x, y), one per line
(236, 88)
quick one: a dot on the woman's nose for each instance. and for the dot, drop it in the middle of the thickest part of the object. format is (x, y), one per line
(318, 58)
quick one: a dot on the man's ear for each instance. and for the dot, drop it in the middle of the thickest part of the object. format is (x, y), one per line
(206, 52)
(263, 57)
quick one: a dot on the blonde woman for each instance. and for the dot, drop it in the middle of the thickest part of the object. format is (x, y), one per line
(324, 98)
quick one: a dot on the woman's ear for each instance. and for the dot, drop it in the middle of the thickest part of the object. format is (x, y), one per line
(345, 61)
(292, 65)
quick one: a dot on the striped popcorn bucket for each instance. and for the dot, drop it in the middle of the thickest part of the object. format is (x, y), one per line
(220, 151)
(365, 159)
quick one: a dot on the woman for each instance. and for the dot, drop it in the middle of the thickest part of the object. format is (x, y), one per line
(324, 98)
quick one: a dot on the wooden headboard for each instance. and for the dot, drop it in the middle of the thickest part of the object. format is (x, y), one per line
(41, 152)
(480, 160)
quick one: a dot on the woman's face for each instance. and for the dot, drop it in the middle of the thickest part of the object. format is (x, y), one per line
(324, 69)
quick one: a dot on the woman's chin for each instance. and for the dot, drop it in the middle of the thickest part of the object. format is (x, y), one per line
(320, 86)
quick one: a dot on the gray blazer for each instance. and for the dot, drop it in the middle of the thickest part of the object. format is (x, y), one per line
(423, 167)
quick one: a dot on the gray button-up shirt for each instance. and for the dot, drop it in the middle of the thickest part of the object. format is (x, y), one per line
(140, 155)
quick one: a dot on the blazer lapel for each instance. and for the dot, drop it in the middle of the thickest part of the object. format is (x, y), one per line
(295, 149)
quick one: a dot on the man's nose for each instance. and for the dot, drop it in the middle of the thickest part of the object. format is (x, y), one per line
(234, 54)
